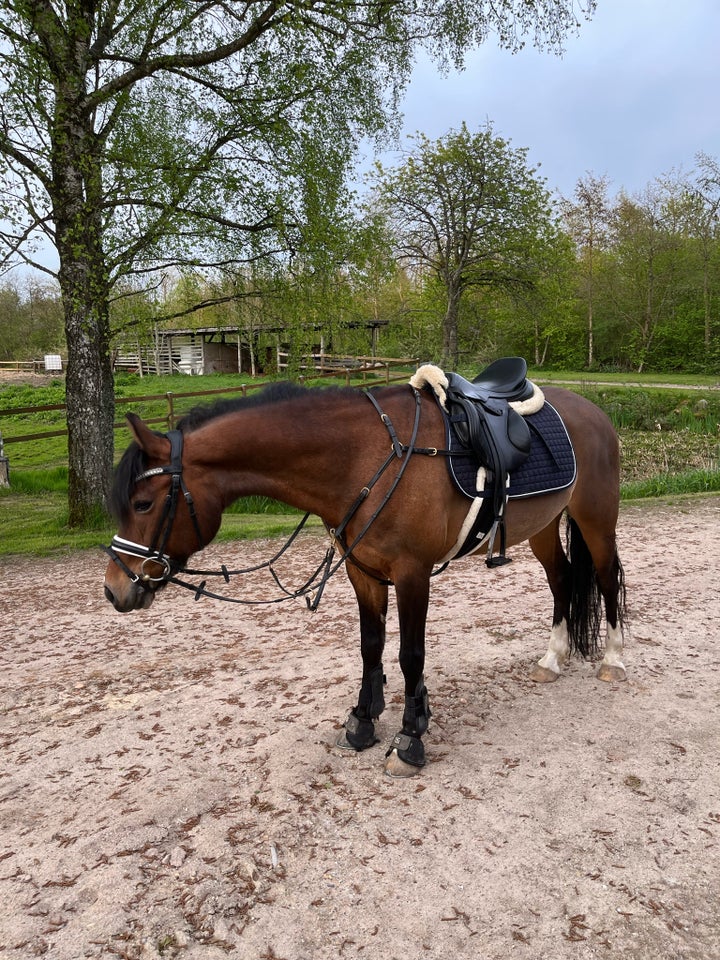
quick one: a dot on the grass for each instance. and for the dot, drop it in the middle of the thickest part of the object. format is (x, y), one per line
(634, 379)
(35, 523)
(51, 452)
(673, 484)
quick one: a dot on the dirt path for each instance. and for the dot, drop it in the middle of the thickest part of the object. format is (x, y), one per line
(169, 785)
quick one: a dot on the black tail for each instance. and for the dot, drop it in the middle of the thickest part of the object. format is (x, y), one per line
(585, 597)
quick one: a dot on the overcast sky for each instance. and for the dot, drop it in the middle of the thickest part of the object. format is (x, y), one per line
(635, 95)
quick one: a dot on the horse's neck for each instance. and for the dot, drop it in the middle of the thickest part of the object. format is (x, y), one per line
(288, 451)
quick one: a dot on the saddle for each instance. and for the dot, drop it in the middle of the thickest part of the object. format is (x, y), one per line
(498, 435)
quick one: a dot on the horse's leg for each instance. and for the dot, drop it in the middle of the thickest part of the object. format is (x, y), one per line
(406, 753)
(611, 581)
(372, 598)
(547, 547)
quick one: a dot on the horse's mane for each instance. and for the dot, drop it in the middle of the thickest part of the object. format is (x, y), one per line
(273, 393)
(133, 462)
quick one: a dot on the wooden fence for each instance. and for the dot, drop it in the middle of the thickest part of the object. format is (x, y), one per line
(362, 368)
(30, 366)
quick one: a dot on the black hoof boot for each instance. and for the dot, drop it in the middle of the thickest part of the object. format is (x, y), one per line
(416, 719)
(359, 733)
(409, 749)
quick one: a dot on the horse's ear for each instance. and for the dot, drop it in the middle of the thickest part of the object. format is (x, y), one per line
(152, 443)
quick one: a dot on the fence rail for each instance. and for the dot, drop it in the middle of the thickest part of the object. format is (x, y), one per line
(363, 366)
(31, 366)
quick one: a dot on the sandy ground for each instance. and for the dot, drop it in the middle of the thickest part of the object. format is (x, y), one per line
(169, 784)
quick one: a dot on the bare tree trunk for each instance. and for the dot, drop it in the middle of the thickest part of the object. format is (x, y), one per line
(450, 354)
(90, 411)
(77, 206)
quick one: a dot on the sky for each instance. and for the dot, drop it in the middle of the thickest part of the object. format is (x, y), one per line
(635, 95)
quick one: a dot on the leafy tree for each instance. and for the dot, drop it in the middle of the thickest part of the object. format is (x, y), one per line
(136, 134)
(706, 227)
(648, 249)
(538, 318)
(467, 210)
(586, 220)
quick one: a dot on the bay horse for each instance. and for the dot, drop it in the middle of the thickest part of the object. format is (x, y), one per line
(317, 449)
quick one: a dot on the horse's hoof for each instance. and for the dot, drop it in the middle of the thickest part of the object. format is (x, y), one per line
(397, 768)
(611, 673)
(543, 674)
(343, 742)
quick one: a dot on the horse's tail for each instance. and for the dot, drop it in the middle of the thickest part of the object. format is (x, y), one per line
(585, 595)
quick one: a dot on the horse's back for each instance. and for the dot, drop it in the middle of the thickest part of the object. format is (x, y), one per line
(597, 452)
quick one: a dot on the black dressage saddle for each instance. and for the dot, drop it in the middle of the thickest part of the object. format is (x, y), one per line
(483, 421)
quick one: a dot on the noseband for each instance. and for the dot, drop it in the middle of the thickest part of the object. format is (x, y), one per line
(155, 553)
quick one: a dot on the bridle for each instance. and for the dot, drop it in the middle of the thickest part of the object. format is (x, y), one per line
(155, 553)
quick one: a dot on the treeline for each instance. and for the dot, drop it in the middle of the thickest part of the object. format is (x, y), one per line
(31, 320)
(594, 281)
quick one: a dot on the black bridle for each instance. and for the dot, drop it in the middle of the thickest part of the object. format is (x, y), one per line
(155, 553)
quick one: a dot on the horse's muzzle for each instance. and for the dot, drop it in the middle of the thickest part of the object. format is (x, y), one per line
(134, 596)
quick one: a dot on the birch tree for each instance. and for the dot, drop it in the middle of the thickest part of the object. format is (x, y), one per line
(586, 219)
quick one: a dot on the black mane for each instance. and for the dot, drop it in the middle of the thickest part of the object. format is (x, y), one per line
(132, 463)
(273, 393)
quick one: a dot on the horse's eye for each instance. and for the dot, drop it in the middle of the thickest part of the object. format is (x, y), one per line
(142, 506)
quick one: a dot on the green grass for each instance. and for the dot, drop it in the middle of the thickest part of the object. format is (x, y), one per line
(51, 480)
(636, 379)
(673, 484)
(52, 451)
(35, 523)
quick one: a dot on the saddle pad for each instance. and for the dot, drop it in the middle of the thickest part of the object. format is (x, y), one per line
(550, 465)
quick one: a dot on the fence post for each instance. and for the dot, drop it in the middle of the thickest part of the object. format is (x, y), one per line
(171, 410)
(4, 466)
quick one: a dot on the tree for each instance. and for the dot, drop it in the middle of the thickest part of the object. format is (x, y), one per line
(137, 134)
(30, 319)
(537, 319)
(707, 227)
(647, 239)
(586, 220)
(467, 210)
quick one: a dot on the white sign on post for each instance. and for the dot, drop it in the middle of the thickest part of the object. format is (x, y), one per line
(53, 362)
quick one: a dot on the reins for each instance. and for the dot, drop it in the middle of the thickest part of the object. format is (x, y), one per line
(312, 589)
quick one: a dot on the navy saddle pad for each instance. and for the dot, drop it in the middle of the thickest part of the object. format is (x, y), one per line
(550, 465)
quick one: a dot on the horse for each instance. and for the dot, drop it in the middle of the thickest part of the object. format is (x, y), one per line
(370, 464)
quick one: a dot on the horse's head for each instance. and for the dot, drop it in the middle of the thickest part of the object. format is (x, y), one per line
(165, 513)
